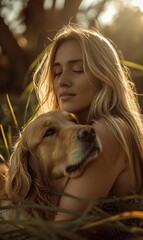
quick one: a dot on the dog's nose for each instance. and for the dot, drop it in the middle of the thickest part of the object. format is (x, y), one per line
(86, 134)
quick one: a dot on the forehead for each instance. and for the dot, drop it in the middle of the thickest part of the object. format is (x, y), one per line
(68, 50)
(36, 129)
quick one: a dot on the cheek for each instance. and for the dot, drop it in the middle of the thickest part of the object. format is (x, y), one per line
(44, 154)
(88, 91)
(55, 88)
(92, 83)
(51, 154)
(55, 92)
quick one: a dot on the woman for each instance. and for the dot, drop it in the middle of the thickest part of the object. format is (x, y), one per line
(81, 73)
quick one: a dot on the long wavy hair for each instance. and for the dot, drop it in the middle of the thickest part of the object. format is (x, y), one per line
(115, 102)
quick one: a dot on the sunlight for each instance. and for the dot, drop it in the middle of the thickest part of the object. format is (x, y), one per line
(134, 3)
(137, 3)
(86, 4)
(110, 11)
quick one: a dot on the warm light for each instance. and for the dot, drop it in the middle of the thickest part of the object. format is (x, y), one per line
(137, 3)
(22, 41)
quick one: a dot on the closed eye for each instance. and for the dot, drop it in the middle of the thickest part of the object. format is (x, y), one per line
(50, 132)
(57, 74)
(78, 71)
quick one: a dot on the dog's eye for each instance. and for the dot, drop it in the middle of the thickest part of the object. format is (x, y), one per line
(50, 131)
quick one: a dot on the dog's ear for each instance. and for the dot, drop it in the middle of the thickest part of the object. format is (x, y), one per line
(18, 178)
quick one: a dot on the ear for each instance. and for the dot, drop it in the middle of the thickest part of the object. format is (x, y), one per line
(18, 178)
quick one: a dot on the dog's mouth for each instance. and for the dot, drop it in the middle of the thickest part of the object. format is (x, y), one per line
(93, 151)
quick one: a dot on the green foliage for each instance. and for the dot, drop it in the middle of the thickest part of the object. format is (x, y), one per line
(17, 110)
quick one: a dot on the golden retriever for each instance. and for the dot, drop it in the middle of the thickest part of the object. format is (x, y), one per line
(51, 147)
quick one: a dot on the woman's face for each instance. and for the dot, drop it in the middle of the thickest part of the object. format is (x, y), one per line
(71, 84)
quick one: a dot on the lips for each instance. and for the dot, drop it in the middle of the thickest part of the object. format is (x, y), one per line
(66, 94)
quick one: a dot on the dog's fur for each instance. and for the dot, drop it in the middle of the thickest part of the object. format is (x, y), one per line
(3, 170)
(51, 147)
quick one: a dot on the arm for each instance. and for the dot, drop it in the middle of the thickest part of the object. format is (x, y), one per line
(98, 177)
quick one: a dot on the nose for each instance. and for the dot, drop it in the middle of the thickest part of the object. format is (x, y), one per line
(86, 134)
(65, 80)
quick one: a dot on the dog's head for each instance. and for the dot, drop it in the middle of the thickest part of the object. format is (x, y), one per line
(51, 146)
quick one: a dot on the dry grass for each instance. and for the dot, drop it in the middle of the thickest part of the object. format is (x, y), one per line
(94, 223)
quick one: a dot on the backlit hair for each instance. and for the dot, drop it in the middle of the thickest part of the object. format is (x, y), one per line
(115, 102)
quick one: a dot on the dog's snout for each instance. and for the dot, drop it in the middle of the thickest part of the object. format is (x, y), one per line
(86, 134)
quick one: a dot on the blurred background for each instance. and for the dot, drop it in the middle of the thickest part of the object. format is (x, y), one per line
(26, 28)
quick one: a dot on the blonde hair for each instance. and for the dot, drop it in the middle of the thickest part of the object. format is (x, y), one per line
(116, 98)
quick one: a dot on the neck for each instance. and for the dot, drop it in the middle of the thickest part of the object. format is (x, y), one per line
(82, 117)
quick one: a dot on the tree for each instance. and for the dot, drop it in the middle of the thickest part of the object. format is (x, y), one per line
(20, 49)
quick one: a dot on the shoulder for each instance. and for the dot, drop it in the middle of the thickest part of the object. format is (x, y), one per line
(112, 136)
(104, 127)
(99, 175)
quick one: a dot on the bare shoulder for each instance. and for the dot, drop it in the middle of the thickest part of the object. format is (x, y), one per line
(111, 143)
(100, 175)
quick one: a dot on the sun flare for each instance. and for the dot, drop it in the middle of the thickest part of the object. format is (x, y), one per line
(137, 3)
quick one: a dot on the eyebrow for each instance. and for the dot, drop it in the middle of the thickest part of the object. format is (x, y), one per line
(69, 62)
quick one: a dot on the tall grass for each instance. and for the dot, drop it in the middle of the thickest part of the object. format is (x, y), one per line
(93, 223)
